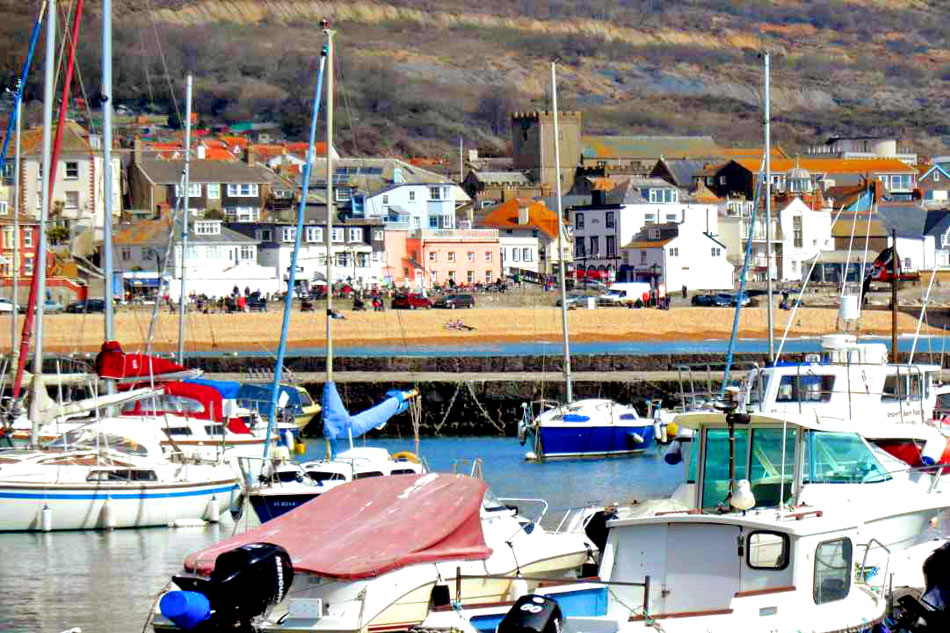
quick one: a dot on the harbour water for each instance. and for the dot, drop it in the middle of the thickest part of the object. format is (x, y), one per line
(106, 582)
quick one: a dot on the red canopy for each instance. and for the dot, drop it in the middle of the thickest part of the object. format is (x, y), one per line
(372, 526)
(112, 362)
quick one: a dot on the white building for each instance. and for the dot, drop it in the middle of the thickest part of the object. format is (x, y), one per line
(218, 259)
(616, 216)
(528, 234)
(678, 255)
(804, 234)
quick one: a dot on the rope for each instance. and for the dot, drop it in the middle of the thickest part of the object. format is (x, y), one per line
(438, 427)
(161, 55)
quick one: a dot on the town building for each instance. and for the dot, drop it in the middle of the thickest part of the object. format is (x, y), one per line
(532, 146)
(934, 184)
(528, 237)
(456, 257)
(675, 255)
(862, 147)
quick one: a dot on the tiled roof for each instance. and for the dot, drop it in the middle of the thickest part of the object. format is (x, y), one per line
(373, 175)
(938, 222)
(704, 195)
(168, 172)
(832, 165)
(505, 216)
(648, 147)
(683, 170)
(75, 140)
(502, 177)
(145, 232)
(649, 243)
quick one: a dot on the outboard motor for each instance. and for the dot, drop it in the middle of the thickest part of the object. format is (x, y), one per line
(532, 614)
(929, 614)
(244, 583)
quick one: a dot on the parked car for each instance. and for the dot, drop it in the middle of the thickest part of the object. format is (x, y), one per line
(410, 302)
(6, 305)
(721, 300)
(455, 301)
(625, 293)
(52, 307)
(87, 305)
(745, 300)
(576, 300)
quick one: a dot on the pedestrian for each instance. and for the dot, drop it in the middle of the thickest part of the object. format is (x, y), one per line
(685, 292)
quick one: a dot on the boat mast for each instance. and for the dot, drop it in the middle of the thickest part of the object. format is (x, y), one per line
(107, 265)
(39, 262)
(329, 236)
(569, 389)
(768, 204)
(184, 222)
(14, 351)
(894, 282)
(291, 275)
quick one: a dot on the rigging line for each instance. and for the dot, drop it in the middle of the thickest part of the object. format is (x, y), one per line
(864, 261)
(161, 55)
(346, 106)
(65, 13)
(923, 312)
(791, 317)
(67, 40)
(161, 277)
(145, 64)
(847, 260)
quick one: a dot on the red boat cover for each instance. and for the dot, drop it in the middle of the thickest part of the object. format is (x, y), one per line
(112, 362)
(372, 526)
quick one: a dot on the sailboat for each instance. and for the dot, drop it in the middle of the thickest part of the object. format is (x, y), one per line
(587, 427)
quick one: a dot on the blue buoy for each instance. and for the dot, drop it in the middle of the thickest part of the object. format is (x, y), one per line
(187, 609)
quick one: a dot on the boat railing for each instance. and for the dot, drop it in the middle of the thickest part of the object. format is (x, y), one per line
(468, 466)
(541, 502)
(867, 573)
(934, 470)
(693, 376)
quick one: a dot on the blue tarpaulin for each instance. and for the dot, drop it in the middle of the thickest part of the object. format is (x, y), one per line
(257, 397)
(337, 421)
(227, 388)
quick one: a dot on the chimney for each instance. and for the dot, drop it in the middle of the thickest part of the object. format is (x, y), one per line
(523, 216)
(200, 151)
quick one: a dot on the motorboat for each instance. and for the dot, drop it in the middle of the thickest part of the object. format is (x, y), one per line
(891, 404)
(591, 427)
(293, 401)
(286, 484)
(108, 474)
(371, 556)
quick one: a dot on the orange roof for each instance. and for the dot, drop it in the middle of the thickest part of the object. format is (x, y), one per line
(141, 232)
(218, 153)
(239, 141)
(266, 151)
(752, 152)
(607, 183)
(505, 216)
(320, 148)
(832, 165)
(75, 139)
(650, 243)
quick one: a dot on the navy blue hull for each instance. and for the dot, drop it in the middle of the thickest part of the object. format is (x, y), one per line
(594, 441)
(272, 506)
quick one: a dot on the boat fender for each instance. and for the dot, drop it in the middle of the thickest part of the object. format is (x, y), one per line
(672, 430)
(300, 447)
(107, 515)
(933, 451)
(186, 609)
(213, 512)
(289, 440)
(674, 455)
(236, 507)
(635, 437)
(46, 518)
(517, 588)
(406, 456)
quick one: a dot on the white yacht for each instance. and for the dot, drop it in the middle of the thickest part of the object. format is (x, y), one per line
(108, 474)
(380, 554)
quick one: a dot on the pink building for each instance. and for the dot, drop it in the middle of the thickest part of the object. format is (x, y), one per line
(400, 269)
(465, 256)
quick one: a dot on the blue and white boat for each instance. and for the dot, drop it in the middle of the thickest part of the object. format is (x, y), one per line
(592, 427)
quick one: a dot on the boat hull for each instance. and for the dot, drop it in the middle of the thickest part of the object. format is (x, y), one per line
(83, 507)
(588, 440)
(271, 506)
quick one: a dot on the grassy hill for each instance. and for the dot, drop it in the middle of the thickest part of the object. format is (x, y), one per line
(414, 75)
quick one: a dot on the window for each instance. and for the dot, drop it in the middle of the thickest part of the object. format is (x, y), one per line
(716, 478)
(433, 256)
(243, 214)
(652, 195)
(594, 246)
(579, 220)
(412, 196)
(210, 227)
(674, 252)
(356, 235)
(526, 254)
(3, 207)
(715, 251)
(194, 190)
(243, 190)
(832, 570)
(487, 276)
(452, 275)
(797, 230)
(516, 254)
(314, 234)
(28, 265)
(908, 264)
(149, 254)
(611, 246)
(72, 170)
(125, 252)
(722, 180)
(611, 221)
(433, 221)
(487, 256)
(288, 234)
(649, 218)
(8, 237)
(378, 235)
(214, 190)
(385, 199)
(28, 238)
(579, 248)
(435, 193)
(247, 252)
(451, 256)
(342, 194)
(901, 387)
(471, 256)
(767, 550)
(936, 176)
(643, 257)
(671, 217)
(470, 276)
(805, 388)
(338, 235)
(840, 458)
(72, 199)
(265, 235)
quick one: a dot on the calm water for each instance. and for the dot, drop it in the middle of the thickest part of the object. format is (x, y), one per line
(107, 582)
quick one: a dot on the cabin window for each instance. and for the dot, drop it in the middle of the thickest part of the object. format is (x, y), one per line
(758, 388)
(289, 476)
(767, 550)
(318, 476)
(833, 570)
(716, 464)
(366, 475)
(805, 388)
(178, 430)
(902, 387)
(840, 458)
(167, 403)
(123, 474)
(770, 472)
(214, 429)
(403, 471)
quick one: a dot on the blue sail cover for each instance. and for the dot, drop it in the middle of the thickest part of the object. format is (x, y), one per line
(337, 421)
(227, 388)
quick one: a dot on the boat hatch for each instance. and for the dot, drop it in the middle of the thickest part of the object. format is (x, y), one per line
(123, 474)
(766, 456)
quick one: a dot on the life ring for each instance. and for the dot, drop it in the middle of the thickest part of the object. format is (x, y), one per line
(406, 456)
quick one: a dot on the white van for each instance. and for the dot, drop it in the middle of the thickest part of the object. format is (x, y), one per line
(624, 293)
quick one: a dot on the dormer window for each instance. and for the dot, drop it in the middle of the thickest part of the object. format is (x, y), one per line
(654, 234)
(208, 227)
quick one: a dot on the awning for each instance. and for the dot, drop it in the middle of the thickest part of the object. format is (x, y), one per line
(372, 526)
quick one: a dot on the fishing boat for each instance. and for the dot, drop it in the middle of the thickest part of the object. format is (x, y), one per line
(108, 474)
(368, 556)
(581, 428)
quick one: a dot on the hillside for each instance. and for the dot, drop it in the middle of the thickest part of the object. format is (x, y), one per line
(414, 75)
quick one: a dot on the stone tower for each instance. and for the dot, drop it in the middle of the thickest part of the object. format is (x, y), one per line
(532, 145)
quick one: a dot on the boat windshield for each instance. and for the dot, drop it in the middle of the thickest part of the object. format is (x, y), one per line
(87, 438)
(840, 458)
(491, 503)
(716, 464)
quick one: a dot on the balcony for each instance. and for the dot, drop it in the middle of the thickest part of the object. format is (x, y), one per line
(455, 234)
(758, 232)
